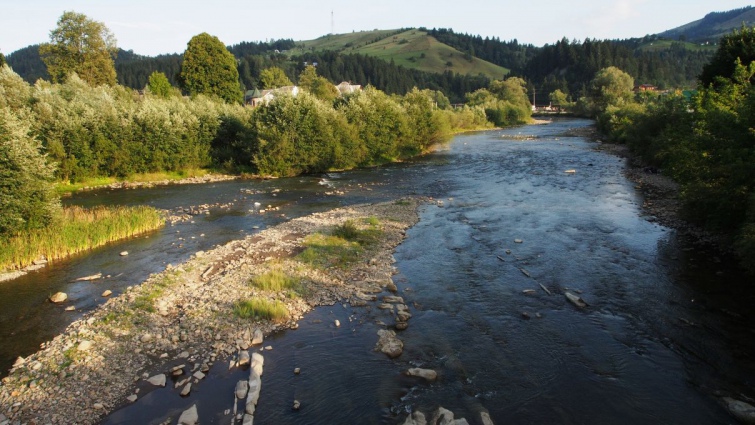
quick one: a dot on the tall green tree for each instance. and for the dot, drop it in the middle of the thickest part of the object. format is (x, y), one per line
(210, 69)
(274, 77)
(27, 198)
(159, 85)
(739, 45)
(81, 45)
(318, 86)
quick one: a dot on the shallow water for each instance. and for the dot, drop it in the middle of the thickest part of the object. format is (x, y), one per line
(668, 327)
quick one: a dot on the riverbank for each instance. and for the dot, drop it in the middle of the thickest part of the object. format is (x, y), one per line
(145, 182)
(185, 315)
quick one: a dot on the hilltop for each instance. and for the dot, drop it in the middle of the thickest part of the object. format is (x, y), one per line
(711, 27)
(411, 48)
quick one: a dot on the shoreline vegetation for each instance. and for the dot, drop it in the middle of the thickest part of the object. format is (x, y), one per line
(206, 310)
(75, 231)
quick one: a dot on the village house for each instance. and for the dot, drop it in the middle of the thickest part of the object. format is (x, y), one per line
(255, 98)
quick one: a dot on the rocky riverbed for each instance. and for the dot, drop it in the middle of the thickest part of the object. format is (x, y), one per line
(182, 320)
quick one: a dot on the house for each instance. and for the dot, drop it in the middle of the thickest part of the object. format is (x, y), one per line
(645, 88)
(264, 97)
(348, 88)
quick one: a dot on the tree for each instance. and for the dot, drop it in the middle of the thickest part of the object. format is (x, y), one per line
(2, 59)
(740, 44)
(318, 86)
(81, 45)
(274, 77)
(558, 98)
(210, 69)
(159, 85)
(27, 197)
(611, 86)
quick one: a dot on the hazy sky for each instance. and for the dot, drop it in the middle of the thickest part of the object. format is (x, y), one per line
(165, 26)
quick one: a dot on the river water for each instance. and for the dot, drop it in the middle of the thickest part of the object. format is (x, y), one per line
(667, 331)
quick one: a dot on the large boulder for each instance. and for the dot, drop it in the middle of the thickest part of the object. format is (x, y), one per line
(388, 343)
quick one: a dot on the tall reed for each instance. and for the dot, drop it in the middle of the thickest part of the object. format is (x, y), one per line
(77, 230)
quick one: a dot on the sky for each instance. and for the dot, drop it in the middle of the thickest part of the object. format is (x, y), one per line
(152, 27)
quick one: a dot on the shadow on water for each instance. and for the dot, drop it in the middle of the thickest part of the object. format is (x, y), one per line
(667, 330)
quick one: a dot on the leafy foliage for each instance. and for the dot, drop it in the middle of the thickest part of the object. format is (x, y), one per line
(737, 47)
(706, 144)
(159, 85)
(273, 77)
(27, 198)
(82, 46)
(210, 69)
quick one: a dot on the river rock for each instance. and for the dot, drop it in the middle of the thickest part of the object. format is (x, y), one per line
(146, 337)
(186, 390)
(518, 241)
(20, 361)
(253, 396)
(388, 343)
(58, 297)
(248, 419)
(189, 416)
(485, 418)
(85, 345)
(744, 412)
(337, 323)
(400, 326)
(158, 380)
(393, 299)
(124, 253)
(107, 293)
(242, 387)
(446, 417)
(391, 286)
(427, 374)
(258, 337)
(243, 358)
(258, 362)
(416, 418)
(132, 398)
(198, 375)
(296, 405)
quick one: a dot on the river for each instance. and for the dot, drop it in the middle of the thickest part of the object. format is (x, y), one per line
(667, 331)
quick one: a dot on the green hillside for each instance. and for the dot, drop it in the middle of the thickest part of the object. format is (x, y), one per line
(663, 44)
(713, 26)
(413, 49)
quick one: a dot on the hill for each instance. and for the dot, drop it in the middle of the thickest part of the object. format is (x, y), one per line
(412, 49)
(711, 27)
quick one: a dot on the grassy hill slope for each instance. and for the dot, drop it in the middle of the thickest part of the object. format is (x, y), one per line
(413, 49)
(714, 25)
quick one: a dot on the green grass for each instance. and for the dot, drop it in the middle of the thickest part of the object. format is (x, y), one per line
(343, 246)
(77, 230)
(276, 280)
(258, 308)
(152, 291)
(412, 49)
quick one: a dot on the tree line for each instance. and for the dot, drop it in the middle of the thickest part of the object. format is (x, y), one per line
(705, 142)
